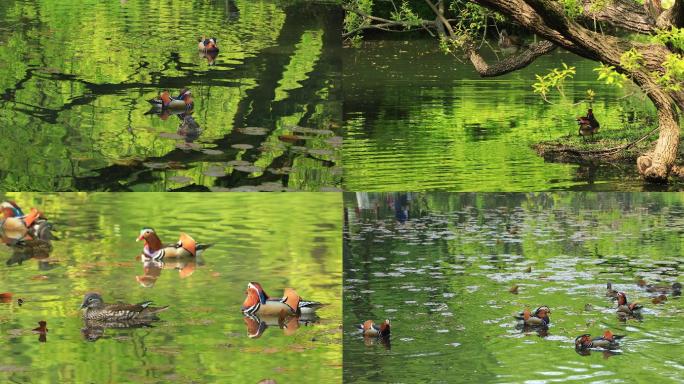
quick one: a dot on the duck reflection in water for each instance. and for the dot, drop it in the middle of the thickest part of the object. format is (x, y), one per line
(152, 269)
(257, 325)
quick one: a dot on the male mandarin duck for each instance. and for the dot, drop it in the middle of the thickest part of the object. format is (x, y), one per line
(156, 250)
(207, 44)
(540, 317)
(305, 307)
(607, 341)
(258, 303)
(370, 329)
(588, 125)
(183, 102)
(625, 307)
(15, 226)
(96, 310)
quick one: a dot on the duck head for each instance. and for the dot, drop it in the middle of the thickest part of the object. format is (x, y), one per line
(252, 298)
(92, 300)
(621, 298)
(583, 341)
(10, 209)
(385, 328)
(259, 290)
(210, 44)
(151, 239)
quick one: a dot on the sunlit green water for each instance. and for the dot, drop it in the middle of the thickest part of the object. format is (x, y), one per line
(278, 240)
(76, 77)
(417, 119)
(443, 278)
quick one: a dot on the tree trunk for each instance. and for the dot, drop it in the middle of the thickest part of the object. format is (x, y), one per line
(655, 166)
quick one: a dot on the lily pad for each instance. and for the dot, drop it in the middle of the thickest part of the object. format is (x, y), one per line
(238, 163)
(321, 152)
(156, 165)
(212, 151)
(255, 131)
(180, 179)
(313, 131)
(215, 172)
(242, 146)
(248, 168)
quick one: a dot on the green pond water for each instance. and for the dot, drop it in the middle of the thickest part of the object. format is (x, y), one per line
(419, 120)
(280, 241)
(76, 77)
(440, 267)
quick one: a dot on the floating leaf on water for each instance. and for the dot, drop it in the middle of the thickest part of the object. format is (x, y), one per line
(215, 172)
(238, 163)
(271, 187)
(335, 141)
(242, 146)
(212, 151)
(184, 145)
(320, 132)
(180, 179)
(248, 168)
(514, 290)
(39, 277)
(6, 297)
(321, 152)
(290, 138)
(170, 135)
(296, 148)
(156, 165)
(255, 131)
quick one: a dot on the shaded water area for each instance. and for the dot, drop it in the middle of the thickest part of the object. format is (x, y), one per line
(441, 267)
(280, 241)
(417, 119)
(77, 77)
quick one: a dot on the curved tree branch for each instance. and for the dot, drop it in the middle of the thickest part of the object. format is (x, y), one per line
(511, 63)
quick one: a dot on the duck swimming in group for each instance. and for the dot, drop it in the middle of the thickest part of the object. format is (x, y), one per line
(156, 250)
(607, 341)
(370, 329)
(258, 302)
(538, 318)
(588, 125)
(181, 103)
(625, 308)
(15, 226)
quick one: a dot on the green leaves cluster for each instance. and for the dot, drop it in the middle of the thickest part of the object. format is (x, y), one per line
(674, 37)
(673, 78)
(610, 76)
(406, 15)
(553, 80)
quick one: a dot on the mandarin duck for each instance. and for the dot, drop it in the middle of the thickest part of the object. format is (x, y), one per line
(207, 44)
(538, 318)
(96, 310)
(588, 125)
(370, 329)
(305, 307)
(509, 43)
(626, 308)
(675, 289)
(258, 303)
(15, 226)
(182, 103)
(156, 250)
(607, 341)
(610, 292)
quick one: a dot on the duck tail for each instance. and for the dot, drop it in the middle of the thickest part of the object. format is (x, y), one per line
(188, 243)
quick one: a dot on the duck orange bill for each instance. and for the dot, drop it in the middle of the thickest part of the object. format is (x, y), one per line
(188, 243)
